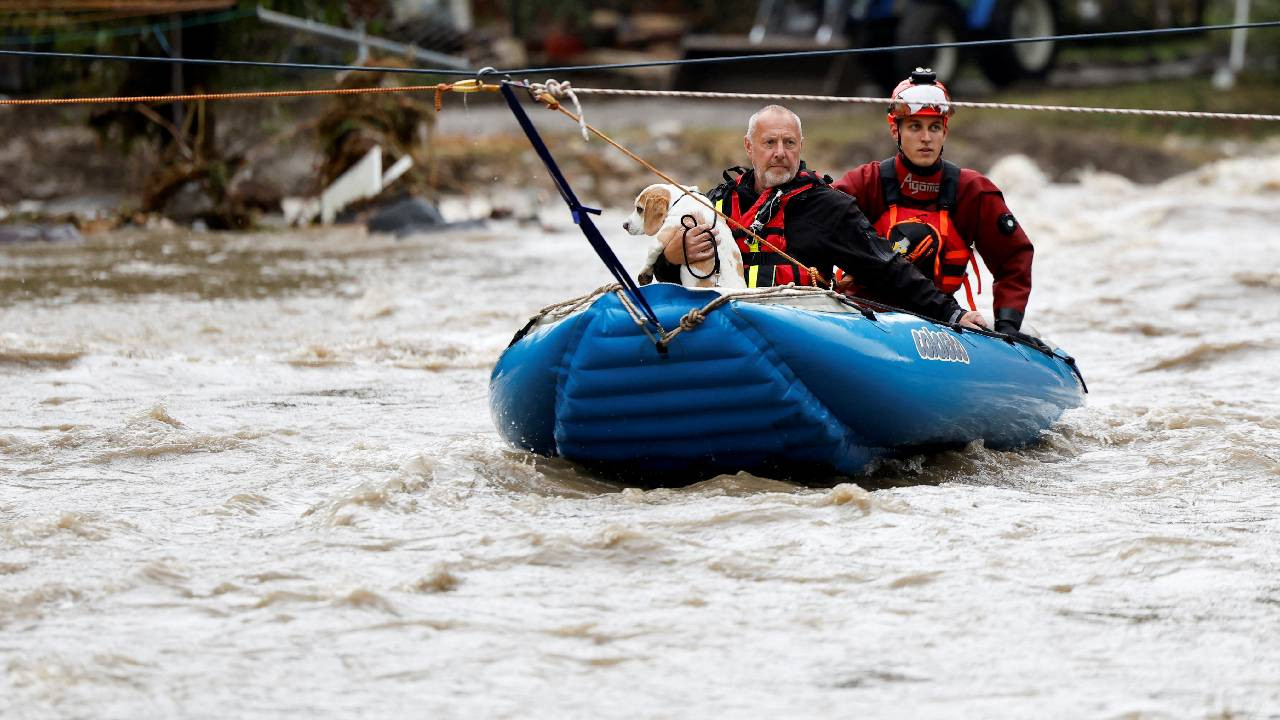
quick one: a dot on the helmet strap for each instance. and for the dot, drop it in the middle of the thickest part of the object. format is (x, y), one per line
(917, 169)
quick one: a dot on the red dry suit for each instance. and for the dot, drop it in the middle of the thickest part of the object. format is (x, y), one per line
(893, 190)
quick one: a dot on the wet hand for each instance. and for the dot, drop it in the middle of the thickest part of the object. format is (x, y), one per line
(974, 319)
(697, 245)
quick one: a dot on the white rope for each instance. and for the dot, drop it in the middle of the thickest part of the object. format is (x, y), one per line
(631, 309)
(885, 102)
(572, 305)
(557, 89)
(696, 316)
(691, 319)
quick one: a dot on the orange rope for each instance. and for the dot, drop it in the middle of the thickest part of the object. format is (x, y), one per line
(553, 104)
(82, 5)
(439, 89)
(39, 18)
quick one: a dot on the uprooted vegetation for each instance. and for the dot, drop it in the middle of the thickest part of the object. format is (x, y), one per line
(234, 172)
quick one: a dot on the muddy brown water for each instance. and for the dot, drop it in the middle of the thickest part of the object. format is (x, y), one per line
(254, 475)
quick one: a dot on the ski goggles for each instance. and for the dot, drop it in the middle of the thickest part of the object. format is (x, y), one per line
(921, 100)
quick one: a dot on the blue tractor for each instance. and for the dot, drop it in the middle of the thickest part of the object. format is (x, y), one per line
(908, 22)
(787, 25)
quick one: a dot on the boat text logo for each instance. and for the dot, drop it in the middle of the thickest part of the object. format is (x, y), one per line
(938, 345)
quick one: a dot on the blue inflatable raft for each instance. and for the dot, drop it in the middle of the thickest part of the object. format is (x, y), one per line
(796, 382)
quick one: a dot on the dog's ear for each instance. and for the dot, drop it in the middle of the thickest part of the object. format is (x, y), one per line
(655, 212)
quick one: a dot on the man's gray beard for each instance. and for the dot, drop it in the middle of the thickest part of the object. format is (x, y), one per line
(773, 177)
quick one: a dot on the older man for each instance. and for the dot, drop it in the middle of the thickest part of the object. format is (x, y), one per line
(799, 214)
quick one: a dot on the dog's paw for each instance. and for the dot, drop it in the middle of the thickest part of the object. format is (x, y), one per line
(645, 277)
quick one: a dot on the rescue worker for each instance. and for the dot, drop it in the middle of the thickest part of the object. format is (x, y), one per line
(798, 212)
(935, 213)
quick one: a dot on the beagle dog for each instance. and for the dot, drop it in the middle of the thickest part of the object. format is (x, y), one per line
(665, 212)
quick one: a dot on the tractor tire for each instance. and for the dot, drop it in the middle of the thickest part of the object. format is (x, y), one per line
(922, 23)
(1006, 64)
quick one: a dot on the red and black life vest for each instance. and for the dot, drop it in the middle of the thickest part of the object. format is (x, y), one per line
(762, 266)
(923, 232)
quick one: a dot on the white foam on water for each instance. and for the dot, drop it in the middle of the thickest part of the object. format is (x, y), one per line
(293, 501)
(24, 349)
(1018, 171)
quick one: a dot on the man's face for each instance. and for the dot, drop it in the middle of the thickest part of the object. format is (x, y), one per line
(922, 138)
(774, 149)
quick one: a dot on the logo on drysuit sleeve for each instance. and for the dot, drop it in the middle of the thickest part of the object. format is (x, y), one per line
(939, 345)
(1006, 223)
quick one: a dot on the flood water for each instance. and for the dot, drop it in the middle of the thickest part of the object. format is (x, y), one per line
(254, 476)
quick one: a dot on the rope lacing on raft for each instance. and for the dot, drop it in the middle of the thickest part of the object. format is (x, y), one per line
(696, 316)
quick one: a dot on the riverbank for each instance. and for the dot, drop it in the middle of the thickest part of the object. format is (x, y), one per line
(57, 169)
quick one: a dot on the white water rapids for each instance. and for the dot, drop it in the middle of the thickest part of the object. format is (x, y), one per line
(254, 476)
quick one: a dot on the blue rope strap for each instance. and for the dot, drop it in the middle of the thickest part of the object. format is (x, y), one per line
(581, 213)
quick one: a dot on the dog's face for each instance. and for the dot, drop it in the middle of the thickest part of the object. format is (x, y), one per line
(650, 211)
